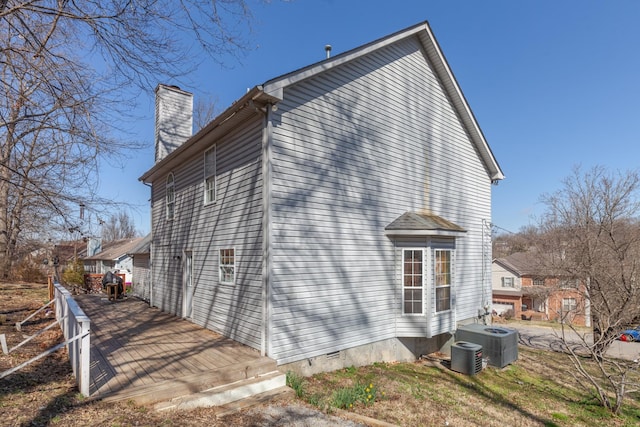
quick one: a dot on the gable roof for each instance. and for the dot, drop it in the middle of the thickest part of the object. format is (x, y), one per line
(422, 224)
(116, 250)
(524, 264)
(143, 246)
(437, 60)
(272, 91)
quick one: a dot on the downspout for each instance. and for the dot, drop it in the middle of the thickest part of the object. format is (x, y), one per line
(151, 276)
(267, 142)
(429, 285)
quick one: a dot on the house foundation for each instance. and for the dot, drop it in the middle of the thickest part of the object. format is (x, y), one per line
(390, 350)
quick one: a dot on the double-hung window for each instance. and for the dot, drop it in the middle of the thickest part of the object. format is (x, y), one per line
(569, 304)
(507, 282)
(210, 175)
(412, 281)
(442, 279)
(227, 266)
(170, 196)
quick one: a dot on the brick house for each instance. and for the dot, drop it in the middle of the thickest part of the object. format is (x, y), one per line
(521, 283)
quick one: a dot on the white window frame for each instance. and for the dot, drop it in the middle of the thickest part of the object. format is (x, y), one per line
(170, 197)
(437, 278)
(570, 302)
(508, 282)
(210, 179)
(227, 269)
(412, 275)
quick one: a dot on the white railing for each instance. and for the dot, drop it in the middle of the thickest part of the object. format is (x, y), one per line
(75, 326)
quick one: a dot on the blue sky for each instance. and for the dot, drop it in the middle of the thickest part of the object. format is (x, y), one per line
(552, 83)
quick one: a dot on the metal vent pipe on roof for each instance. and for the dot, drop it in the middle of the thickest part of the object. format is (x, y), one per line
(327, 48)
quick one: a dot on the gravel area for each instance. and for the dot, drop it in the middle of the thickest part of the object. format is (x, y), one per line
(294, 415)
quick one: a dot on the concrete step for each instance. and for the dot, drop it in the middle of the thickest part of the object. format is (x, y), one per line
(279, 394)
(225, 394)
(195, 383)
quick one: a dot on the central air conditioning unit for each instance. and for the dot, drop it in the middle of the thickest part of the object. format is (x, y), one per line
(500, 345)
(466, 357)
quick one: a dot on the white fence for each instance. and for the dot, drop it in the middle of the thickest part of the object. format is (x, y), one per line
(76, 327)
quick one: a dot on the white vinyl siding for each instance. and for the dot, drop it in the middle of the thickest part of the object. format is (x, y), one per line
(141, 276)
(353, 149)
(210, 175)
(234, 221)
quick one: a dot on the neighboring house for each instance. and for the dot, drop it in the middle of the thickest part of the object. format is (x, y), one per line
(141, 273)
(521, 283)
(114, 256)
(67, 252)
(333, 216)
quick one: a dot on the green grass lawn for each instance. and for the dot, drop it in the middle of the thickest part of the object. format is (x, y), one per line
(539, 389)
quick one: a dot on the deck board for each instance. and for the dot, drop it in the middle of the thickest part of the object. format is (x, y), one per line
(137, 350)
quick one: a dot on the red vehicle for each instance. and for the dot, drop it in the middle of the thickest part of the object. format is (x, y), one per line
(630, 335)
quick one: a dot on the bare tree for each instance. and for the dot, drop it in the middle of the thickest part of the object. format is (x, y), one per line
(204, 111)
(506, 243)
(591, 232)
(117, 227)
(67, 69)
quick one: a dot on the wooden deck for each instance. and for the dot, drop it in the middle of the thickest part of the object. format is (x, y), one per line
(140, 353)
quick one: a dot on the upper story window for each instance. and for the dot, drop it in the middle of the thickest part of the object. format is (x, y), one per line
(568, 283)
(507, 282)
(412, 281)
(442, 268)
(227, 266)
(569, 304)
(538, 281)
(210, 175)
(170, 196)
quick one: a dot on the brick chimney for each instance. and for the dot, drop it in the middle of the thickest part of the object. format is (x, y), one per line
(174, 119)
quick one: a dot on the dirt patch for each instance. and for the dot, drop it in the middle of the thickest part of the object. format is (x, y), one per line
(45, 393)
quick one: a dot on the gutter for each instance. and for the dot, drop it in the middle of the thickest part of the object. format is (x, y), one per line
(254, 98)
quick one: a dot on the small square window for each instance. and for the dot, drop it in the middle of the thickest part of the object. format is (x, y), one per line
(569, 304)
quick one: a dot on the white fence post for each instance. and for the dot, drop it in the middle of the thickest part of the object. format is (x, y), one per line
(75, 323)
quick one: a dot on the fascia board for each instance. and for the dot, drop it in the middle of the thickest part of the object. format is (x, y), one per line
(424, 233)
(439, 61)
(275, 86)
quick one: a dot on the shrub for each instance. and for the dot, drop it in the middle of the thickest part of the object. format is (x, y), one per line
(296, 382)
(29, 271)
(74, 273)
